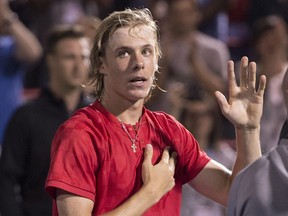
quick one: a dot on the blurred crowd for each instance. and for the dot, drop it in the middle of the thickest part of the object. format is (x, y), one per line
(198, 37)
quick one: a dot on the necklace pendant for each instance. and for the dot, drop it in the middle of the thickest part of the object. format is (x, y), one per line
(133, 146)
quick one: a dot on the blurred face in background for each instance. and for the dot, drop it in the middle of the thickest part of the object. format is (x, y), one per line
(274, 39)
(184, 16)
(69, 63)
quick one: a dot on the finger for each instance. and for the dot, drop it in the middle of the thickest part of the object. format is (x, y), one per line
(252, 75)
(243, 72)
(262, 85)
(165, 155)
(148, 153)
(173, 161)
(231, 75)
(222, 101)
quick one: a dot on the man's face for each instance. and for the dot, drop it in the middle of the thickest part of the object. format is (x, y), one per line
(129, 63)
(70, 62)
(274, 39)
(188, 18)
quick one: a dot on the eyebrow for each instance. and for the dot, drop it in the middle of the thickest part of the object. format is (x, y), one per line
(129, 47)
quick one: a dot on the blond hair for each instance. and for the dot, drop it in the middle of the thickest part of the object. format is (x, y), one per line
(118, 19)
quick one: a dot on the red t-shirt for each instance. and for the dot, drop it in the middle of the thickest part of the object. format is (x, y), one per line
(91, 156)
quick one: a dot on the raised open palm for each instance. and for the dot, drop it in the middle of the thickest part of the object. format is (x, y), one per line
(245, 104)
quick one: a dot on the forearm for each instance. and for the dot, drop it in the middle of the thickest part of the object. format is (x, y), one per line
(28, 48)
(135, 205)
(71, 205)
(248, 148)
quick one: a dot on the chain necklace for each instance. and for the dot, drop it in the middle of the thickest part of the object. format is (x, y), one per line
(133, 146)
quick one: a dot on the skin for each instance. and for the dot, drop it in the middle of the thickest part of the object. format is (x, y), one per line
(128, 57)
(125, 100)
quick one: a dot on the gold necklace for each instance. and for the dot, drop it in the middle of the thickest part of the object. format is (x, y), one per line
(133, 146)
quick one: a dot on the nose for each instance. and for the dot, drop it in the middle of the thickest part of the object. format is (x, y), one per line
(137, 63)
(80, 62)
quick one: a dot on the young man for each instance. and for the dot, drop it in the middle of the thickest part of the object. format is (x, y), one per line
(261, 188)
(26, 151)
(113, 157)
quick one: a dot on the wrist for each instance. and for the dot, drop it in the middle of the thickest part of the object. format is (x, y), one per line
(248, 128)
(150, 195)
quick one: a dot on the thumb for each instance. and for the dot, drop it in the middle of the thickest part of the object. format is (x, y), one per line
(222, 101)
(148, 153)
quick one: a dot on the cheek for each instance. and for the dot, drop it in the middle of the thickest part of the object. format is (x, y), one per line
(65, 65)
(121, 66)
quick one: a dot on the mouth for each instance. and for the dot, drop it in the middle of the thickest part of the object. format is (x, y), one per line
(138, 80)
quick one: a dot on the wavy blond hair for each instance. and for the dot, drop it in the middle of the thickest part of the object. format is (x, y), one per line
(118, 19)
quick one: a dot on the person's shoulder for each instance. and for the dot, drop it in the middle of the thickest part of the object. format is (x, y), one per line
(28, 106)
(86, 117)
(83, 116)
(164, 120)
(160, 115)
(258, 166)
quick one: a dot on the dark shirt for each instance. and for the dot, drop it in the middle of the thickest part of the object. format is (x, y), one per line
(25, 158)
(284, 131)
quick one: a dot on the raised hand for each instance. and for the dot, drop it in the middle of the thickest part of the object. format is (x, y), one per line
(245, 105)
(158, 179)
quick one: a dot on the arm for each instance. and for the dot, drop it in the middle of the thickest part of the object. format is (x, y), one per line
(28, 48)
(244, 110)
(157, 181)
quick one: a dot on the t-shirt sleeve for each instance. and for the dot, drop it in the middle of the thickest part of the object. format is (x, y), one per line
(191, 158)
(73, 162)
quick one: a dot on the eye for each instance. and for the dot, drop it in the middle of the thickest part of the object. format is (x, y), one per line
(123, 53)
(147, 51)
(68, 56)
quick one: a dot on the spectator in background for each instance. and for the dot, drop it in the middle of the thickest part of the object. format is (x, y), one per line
(270, 40)
(26, 151)
(18, 48)
(194, 64)
(262, 187)
(40, 16)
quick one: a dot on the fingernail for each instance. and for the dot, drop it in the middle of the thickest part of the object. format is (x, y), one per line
(149, 147)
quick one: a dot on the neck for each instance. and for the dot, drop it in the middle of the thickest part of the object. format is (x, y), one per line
(70, 97)
(127, 112)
